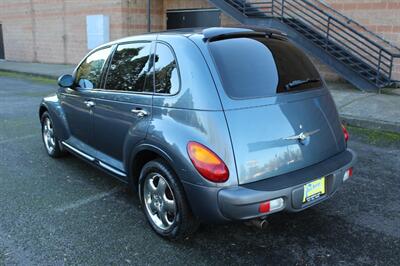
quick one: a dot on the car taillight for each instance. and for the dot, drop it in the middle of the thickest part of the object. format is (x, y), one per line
(346, 133)
(209, 165)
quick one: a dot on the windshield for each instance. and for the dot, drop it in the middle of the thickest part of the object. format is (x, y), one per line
(261, 67)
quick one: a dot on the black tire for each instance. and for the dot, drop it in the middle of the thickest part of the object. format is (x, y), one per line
(56, 151)
(184, 224)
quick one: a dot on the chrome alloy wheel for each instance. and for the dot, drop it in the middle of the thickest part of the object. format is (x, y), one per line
(160, 201)
(48, 135)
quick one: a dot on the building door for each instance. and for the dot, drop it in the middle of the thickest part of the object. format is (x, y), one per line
(1, 43)
(193, 18)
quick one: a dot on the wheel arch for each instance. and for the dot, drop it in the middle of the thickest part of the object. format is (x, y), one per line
(143, 154)
(52, 105)
(42, 109)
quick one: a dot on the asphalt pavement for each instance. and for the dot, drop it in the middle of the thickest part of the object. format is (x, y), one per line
(63, 212)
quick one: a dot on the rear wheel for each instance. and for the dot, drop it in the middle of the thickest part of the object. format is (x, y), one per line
(50, 140)
(164, 201)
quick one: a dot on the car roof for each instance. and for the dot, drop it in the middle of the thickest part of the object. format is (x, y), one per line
(210, 32)
(206, 32)
(190, 31)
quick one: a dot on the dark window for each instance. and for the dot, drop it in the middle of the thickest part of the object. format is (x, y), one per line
(166, 70)
(129, 68)
(89, 72)
(261, 67)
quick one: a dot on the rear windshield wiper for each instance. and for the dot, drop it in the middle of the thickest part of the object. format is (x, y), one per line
(299, 82)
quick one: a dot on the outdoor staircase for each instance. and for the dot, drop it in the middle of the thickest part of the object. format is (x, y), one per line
(355, 53)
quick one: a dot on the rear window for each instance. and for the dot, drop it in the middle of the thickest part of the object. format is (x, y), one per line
(261, 67)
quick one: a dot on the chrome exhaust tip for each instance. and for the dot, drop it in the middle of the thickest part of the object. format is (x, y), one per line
(258, 223)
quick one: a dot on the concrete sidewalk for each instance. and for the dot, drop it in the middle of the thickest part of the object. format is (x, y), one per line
(44, 70)
(368, 110)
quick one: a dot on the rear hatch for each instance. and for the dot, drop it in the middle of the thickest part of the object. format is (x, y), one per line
(279, 113)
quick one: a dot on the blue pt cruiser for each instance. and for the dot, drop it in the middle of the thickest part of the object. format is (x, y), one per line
(210, 125)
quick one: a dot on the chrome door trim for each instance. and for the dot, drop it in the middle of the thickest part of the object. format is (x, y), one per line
(112, 169)
(140, 112)
(89, 103)
(86, 156)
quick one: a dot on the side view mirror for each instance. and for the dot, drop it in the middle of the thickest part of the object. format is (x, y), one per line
(65, 81)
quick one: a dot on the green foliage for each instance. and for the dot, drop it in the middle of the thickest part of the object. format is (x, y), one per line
(375, 137)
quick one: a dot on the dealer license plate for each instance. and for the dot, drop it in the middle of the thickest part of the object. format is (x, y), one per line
(314, 190)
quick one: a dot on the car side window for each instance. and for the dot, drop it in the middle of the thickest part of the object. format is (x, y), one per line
(166, 70)
(88, 75)
(129, 67)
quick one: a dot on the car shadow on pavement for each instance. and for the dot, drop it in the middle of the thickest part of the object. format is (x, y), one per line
(312, 236)
(317, 235)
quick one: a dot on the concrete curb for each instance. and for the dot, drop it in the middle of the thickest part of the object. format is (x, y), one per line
(370, 123)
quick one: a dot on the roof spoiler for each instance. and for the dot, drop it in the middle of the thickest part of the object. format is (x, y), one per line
(215, 34)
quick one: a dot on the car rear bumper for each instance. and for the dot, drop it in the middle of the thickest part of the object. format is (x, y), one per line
(242, 202)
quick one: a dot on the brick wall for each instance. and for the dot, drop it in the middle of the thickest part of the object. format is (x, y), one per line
(135, 16)
(380, 16)
(17, 30)
(55, 30)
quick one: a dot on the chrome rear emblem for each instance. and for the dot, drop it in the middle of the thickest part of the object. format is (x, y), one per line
(302, 136)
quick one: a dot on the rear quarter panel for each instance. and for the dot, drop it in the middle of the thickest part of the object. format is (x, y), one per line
(171, 130)
(193, 114)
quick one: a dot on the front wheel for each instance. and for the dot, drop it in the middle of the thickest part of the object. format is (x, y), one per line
(164, 201)
(50, 140)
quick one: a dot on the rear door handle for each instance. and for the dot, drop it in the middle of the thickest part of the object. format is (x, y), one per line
(140, 112)
(89, 103)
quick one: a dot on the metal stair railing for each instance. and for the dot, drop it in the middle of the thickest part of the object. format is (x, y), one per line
(348, 41)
